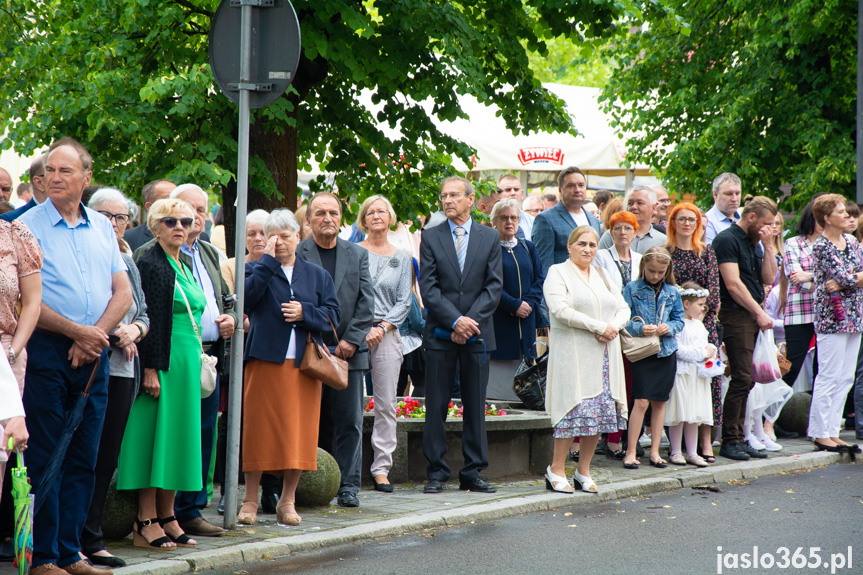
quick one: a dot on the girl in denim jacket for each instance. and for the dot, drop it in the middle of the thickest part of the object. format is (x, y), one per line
(656, 310)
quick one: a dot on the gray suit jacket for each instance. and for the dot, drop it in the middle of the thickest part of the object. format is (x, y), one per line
(449, 293)
(354, 292)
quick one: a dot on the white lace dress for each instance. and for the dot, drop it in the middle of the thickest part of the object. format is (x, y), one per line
(690, 400)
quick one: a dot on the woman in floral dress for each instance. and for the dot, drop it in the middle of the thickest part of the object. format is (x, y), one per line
(696, 262)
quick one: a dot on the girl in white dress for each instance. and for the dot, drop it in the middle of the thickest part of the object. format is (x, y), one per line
(690, 403)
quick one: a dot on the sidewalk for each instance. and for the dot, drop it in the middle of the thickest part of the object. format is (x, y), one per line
(409, 509)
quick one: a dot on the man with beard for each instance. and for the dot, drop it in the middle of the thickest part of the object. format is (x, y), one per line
(743, 272)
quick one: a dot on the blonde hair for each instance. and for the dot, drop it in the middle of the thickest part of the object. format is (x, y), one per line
(361, 217)
(165, 208)
(580, 231)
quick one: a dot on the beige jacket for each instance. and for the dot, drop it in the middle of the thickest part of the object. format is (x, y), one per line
(579, 310)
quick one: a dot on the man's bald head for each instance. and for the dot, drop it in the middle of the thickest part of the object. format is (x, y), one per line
(5, 185)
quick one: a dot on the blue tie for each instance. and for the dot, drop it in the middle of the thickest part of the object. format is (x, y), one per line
(460, 246)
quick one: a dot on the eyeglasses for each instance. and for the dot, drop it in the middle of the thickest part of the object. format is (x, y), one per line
(450, 196)
(534, 211)
(690, 221)
(509, 218)
(665, 202)
(119, 218)
(623, 229)
(380, 213)
(171, 222)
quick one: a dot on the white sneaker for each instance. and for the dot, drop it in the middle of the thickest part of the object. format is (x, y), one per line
(754, 443)
(769, 444)
(663, 441)
(645, 441)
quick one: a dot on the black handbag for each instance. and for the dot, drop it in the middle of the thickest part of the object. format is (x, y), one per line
(529, 382)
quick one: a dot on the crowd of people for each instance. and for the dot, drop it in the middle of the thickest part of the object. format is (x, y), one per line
(637, 301)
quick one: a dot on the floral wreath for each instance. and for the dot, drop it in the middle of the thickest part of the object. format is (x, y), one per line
(693, 292)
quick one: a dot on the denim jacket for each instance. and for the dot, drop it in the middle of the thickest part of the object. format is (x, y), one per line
(643, 303)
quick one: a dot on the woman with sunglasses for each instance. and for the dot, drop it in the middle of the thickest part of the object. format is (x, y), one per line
(161, 449)
(124, 379)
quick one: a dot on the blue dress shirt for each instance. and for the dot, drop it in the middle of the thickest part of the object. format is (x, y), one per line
(209, 329)
(452, 228)
(79, 261)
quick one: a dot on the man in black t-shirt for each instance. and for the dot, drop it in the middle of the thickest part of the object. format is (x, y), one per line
(743, 273)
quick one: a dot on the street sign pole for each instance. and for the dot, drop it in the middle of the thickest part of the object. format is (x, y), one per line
(236, 392)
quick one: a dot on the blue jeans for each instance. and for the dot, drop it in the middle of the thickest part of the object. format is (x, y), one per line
(188, 504)
(52, 388)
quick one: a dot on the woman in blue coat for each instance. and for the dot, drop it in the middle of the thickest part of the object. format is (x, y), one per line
(286, 299)
(515, 320)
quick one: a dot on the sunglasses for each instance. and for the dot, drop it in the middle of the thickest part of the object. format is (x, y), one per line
(171, 222)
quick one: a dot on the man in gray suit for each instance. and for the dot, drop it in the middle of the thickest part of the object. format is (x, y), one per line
(341, 428)
(460, 282)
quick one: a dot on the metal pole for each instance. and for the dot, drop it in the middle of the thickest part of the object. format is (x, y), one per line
(236, 393)
(860, 101)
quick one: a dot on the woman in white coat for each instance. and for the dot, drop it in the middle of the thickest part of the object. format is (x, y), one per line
(586, 393)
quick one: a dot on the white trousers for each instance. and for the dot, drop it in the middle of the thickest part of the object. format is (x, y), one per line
(837, 365)
(386, 362)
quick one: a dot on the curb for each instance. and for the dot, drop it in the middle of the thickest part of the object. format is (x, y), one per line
(520, 505)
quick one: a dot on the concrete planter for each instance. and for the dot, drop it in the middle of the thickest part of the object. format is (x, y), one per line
(519, 443)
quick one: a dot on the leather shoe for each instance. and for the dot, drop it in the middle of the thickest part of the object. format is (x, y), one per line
(348, 499)
(477, 484)
(221, 508)
(434, 486)
(109, 561)
(384, 487)
(201, 528)
(784, 434)
(83, 568)
(734, 451)
(269, 500)
(43, 569)
(753, 453)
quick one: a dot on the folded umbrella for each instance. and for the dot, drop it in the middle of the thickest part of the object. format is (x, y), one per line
(73, 420)
(22, 502)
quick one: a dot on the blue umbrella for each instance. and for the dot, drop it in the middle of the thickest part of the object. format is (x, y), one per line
(73, 420)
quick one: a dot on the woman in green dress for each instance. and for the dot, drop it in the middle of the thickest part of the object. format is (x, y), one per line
(161, 450)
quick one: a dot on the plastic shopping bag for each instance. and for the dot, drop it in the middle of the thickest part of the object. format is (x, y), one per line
(765, 366)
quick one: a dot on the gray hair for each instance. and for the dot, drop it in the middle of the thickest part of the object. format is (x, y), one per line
(532, 200)
(257, 217)
(502, 206)
(651, 195)
(103, 195)
(468, 186)
(279, 221)
(725, 177)
(175, 193)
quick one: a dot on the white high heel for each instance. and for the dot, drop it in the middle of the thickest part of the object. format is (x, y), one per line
(552, 482)
(585, 483)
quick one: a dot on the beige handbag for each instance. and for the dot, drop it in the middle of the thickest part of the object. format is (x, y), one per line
(637, 347)
(318, 363)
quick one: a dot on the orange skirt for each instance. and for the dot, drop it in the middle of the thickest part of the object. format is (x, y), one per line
(281, 413)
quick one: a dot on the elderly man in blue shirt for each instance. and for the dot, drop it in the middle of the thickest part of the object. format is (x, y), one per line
(85, 294)
(726, 201)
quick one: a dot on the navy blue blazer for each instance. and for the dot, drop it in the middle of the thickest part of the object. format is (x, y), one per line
(267, 289)
(550, 233)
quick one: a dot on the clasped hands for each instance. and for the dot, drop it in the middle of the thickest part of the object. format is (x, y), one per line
(609, 334)
(465, 328)
(649, 329)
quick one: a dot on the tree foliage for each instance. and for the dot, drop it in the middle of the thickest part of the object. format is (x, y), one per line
(130, 79)
(762, 88)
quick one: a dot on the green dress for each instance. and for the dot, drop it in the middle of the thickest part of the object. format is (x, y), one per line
(162, 443)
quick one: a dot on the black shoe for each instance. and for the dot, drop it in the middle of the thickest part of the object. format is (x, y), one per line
(831, 448)
(112, 562)
(348, 499)
(269, 500)
(477, 484)
(619, 454)
(221, 508)
(734, 451)
(434, 486)
(383, 487)
(783, 434)
(601, 446)
(754, 453)
(639, 451)
(7, 550)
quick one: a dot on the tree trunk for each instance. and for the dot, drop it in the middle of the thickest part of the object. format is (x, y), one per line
(279, 153)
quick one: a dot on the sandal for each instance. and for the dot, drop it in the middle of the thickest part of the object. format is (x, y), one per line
(631, 465)
(573, 455)
(248, 513)
(182, 540)
(658, 463)
(285, 517)
(708, 456)
(585, 483)
(138, 539)
(557, 483)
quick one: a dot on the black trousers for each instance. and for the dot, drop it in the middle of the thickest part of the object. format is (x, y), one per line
(121, 395)
(797, 340)
(440, 379)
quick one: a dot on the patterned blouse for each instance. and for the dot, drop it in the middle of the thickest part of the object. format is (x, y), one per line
(800, 303)
(842, 266)
(20, 255)
(703, 270)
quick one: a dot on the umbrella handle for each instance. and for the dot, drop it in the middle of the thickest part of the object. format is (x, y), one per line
(86, 391)
(11, 445)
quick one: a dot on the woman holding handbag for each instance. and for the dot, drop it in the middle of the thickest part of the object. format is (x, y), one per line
(161, 449)
(515, 318)
(287, 300)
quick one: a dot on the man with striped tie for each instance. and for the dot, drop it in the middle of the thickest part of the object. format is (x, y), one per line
(460, 284)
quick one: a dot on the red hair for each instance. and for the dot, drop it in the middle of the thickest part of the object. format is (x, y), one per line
(624, 217)
(672, 222)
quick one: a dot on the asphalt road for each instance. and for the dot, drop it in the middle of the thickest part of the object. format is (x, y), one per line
(676, 532)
